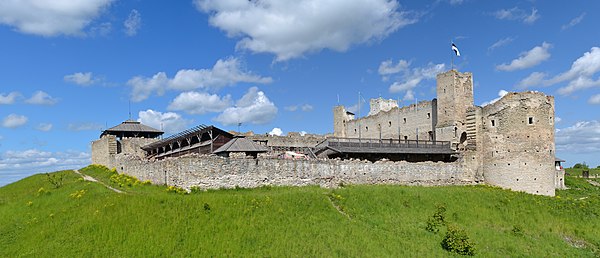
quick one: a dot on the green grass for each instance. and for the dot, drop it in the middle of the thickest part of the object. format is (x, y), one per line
(577, 171)
(375, 221)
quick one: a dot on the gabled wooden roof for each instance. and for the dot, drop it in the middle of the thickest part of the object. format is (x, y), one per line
(132, 127)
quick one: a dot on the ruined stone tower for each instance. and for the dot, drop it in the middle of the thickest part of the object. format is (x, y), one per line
(454, 97)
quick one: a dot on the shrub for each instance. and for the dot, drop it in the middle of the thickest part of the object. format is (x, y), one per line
(457, 241)
(55, 179)
(437, 219)
(124, 180)
(581, 166)
(175, 189)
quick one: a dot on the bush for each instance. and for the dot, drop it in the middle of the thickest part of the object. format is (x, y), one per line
(581, 166)
(56, 179)
(457, 241)
(195, 189)
(175, 189)
(437, 219)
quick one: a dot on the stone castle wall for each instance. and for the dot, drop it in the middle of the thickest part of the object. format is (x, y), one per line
(104, 149)
(213, 172)
(397, 123)
(291, 140)
(518, 143)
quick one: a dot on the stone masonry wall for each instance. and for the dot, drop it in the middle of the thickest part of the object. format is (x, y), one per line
(386, 123)
(518, 143)
(212, 172)
(103, 150)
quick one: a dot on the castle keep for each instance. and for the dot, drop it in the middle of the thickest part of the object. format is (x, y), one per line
(448, 140)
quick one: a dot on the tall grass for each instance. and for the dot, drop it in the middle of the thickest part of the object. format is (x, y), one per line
(289, 221)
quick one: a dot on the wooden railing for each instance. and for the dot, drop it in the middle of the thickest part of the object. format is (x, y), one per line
(385, 143)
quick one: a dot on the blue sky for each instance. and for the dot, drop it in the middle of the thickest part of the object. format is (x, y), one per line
(71, 68)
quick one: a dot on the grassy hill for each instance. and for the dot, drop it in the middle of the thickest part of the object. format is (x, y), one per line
(83, 219)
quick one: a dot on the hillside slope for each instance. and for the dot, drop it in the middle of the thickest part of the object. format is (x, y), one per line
(81, 218)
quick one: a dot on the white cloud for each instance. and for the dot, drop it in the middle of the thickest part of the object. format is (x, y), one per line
(9, 98)
(15, 165)
(294, 108)
(516, 13)
(501, 94)
(289, 29)
(411, 78)
(85, 127)
(580, 76)
(276, 131)
(595, 99)
(51, 18)
(14, 121)
(557, 119)
(83, 79)
(501, 43)
(574, 21)
(143, 87)
(133, 23)
(303, 133)
(387, 67)
(199, 102)
(410, 95)
(528, 59)
(254, 107)
(44, 127)
(170, 122)
(534, 78)
(41, 98)
(224, 73)
(583, 137)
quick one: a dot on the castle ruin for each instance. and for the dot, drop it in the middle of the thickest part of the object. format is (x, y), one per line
(445, 141)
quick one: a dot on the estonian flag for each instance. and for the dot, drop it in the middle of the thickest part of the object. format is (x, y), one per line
(455, 49)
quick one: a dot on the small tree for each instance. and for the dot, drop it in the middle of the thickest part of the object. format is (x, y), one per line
(581, 166)
(457, 241)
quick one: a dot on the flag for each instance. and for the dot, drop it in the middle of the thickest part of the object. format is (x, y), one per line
(455, 49)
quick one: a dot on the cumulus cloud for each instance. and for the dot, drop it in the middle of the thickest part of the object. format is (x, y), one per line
(501, 94)
(9, 98)
(574, 21)
(170, 122)
(15, 165)
(14, 121)
(409, 95)
(254, 107)
(595, 99)
(83, 79)
(408, 78)
(199, 102)
(388, 67)
(51, 18)
(528, 59)
(224, 73)
(276, 131)
(41, 98)
(44, 127)
(582, 137)
(501, 43)
(582, 75)
(133, 23)
(289, 29)
(294, 108)
(516, 13)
